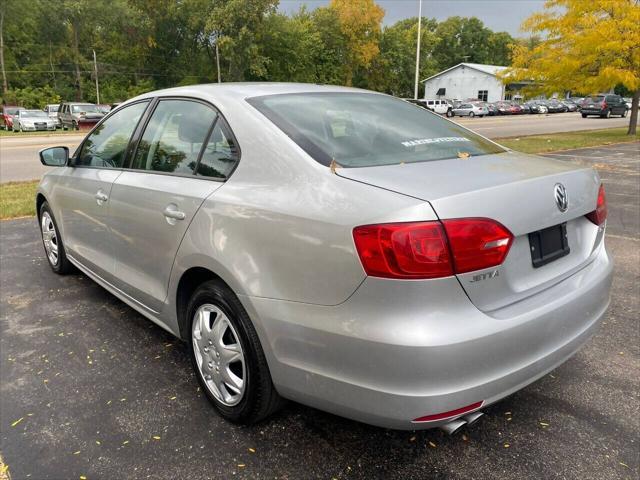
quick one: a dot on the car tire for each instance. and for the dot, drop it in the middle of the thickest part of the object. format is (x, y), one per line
(449, 113)
(481, 116)
(584, 115)
(52, 242)
(256, 398)
(607, 114)
(74, 126)
(471, 114)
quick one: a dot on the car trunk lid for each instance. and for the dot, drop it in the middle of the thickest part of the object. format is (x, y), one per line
(514, 189)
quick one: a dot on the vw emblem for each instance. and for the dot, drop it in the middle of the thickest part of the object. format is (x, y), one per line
(561, 196)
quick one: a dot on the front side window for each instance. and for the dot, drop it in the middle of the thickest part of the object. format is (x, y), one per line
(221, 154)
(367, 129)
(173, 137)
(105, 147)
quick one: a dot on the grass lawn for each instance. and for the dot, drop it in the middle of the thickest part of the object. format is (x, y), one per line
(17, 199)
(566, 141)
(11, 133)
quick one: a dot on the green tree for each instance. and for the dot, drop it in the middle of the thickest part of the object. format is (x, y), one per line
(461, 40)
(589, 47)
(360, 23)
(238, 27)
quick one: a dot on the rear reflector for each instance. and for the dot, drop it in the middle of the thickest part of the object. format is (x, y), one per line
(449, 414)
(599, 215)
(421, 249)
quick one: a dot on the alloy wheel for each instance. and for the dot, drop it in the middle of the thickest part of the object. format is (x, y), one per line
(50, 238)
(219, 355)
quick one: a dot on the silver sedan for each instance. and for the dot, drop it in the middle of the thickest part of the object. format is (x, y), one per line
(32, 121)
(333, 246)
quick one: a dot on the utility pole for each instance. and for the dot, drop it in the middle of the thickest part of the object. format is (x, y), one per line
(415, 91)
(218, 61)
(95, 72)
(5, 84)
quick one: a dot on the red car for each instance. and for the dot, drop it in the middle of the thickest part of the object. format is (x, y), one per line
(6, 117)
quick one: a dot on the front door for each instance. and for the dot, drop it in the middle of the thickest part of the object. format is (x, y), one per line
(84, 194)
(153, 202)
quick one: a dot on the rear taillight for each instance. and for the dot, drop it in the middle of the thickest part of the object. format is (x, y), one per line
(604, 105)
(477, 243)
(421, 249)
(403, 250)
(599, 215)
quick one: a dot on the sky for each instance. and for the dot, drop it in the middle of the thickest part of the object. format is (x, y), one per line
(498, 15)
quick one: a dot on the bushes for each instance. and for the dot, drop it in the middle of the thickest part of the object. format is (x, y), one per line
(31, 97)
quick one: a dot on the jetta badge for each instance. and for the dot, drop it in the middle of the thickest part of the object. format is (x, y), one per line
(561, 196)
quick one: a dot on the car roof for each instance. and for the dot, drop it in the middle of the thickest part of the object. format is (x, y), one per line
(242, 90)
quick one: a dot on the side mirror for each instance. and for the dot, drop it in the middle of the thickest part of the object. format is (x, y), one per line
(54, 156)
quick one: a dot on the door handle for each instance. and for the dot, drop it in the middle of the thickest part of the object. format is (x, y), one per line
(172, 212)
(101, 197)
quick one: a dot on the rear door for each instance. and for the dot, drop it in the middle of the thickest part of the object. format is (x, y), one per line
(154, 201)
(83, 194)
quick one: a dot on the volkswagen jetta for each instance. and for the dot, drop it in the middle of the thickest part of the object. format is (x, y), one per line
(333, 246)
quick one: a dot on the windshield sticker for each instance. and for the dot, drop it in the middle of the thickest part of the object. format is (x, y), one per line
(426, 141)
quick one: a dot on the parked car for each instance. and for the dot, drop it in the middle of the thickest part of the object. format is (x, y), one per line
(52, 111)
(537, 106)
(628, 101)
(470, 110)
(438, 105)
(32, 120)
(516, 109)
(9, 112)
(333, 246)
(74, 115)
(526, 108)
(104, 108)
(556, 106)
(604, 105)
(571, 107)
(493, 110)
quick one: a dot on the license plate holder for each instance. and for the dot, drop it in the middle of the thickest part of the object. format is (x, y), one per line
(549, 244)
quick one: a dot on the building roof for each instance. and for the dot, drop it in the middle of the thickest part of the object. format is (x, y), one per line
(488, 69)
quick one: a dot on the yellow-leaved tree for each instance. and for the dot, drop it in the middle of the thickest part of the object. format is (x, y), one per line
(360, 24)
(590, 46)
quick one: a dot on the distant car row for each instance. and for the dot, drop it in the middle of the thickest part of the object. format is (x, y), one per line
(603, 105)
(67, 115)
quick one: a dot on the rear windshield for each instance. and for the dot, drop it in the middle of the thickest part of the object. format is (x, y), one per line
(53, 108)
(367, 129)
(596, 98)
(11, 110)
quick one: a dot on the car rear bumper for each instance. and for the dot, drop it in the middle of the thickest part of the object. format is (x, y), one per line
(593, 111)
(399, 350)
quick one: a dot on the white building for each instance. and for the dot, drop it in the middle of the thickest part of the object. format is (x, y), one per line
(470, 80)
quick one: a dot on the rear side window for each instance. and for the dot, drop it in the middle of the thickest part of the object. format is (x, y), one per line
(174, 136)
(367, 129)
(221, 153)
(105, 147)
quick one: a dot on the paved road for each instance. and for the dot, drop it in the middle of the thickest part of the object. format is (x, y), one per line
(88, 384)
(19, 155)
(513, 126)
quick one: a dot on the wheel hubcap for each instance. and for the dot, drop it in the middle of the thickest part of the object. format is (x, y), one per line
(219, 355)
(50, 238)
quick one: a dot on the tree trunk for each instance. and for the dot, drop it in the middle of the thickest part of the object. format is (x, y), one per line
(633, 121)
(5, 84)
(76, 54)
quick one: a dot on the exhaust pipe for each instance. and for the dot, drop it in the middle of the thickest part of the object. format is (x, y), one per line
(472, 418)
(453, 426)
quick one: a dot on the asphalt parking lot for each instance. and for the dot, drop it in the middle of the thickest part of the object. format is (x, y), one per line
(89, 388)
